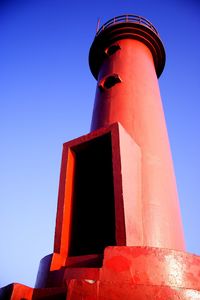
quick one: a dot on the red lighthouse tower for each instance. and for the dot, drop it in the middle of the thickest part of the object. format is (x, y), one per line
(118, 227)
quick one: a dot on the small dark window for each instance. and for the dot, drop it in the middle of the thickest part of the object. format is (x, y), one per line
(109, 81)
(112, 49)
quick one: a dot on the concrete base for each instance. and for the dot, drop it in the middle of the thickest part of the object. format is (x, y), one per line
(16, 291)
(139, 273)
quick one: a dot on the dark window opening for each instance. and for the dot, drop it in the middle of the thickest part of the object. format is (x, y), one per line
(112, 49)
(93, 215)
(109, 81)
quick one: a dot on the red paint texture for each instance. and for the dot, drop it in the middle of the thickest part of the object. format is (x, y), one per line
(118, 264)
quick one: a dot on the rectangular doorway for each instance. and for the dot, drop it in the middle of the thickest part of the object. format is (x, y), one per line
(93, 206)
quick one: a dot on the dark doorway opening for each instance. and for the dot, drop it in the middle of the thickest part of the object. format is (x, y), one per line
(93, 212)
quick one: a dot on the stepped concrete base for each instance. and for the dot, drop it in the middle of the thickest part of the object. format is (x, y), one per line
(139, 273)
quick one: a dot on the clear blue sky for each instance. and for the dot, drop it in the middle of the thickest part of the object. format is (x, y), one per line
(47, 94)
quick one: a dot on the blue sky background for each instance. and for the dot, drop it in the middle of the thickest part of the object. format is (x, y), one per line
(46, 98)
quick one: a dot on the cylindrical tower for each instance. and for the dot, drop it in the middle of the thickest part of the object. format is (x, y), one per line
(126, 58)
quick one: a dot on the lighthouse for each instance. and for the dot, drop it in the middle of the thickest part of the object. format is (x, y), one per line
(118, 228)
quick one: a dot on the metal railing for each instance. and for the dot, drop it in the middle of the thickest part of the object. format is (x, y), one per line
(125, 19)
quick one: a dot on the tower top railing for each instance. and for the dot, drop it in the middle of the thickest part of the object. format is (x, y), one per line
(125, 19)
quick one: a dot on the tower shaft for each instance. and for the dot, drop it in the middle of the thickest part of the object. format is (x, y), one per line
(128, 93)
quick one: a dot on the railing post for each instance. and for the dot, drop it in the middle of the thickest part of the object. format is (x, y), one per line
(98, 24)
